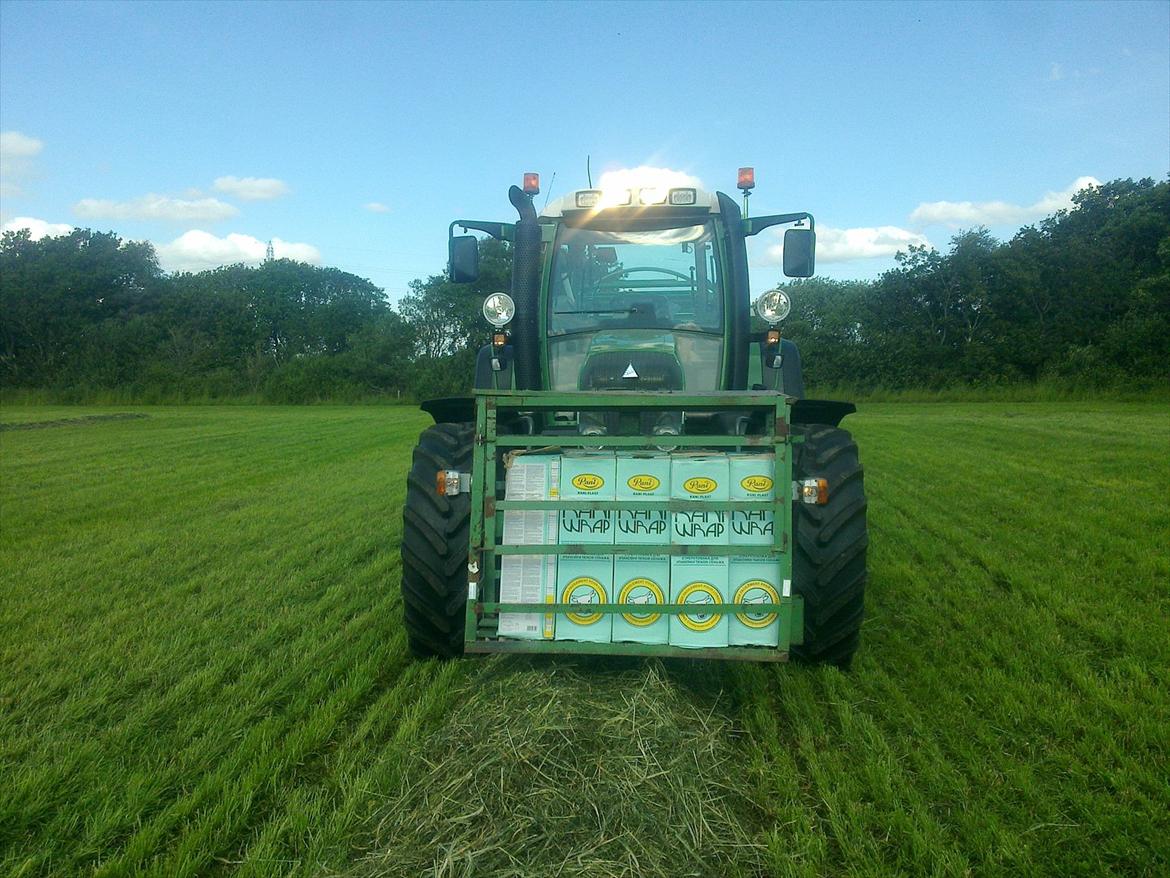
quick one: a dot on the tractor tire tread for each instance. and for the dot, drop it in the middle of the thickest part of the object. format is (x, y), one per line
(830, 542)
(435, 533)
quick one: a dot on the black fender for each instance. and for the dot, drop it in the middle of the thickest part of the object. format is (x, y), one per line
(821, 411)
(450, 409)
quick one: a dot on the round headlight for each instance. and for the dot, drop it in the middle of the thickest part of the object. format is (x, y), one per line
(499, 309)
(773, 306)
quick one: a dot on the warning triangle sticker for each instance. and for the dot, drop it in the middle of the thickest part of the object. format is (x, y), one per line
(630, 373)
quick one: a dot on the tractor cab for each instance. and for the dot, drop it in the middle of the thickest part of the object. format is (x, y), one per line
(642, 289)
(635, 298)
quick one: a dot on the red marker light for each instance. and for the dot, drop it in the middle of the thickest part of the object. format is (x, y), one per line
(532, 183)
(747, 179)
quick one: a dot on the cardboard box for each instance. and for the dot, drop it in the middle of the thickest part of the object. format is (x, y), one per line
(643, 477)
(641, 580)
(588, 476)
(752, 477)
(585, 580)
(697, 579)
(529, 578)
(701, 478)
(755, 580)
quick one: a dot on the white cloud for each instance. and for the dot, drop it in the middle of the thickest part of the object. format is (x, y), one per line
(38, 227)
(376, 207)
(647, 176)
(997, 212)
(846, 245)
(1056, 73)
(252, 188)
(156, 207)
(17, 151)
(197, 250)
(16, 145)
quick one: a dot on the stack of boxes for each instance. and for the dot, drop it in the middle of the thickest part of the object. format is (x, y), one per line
(642, 581)
(700, 479)
(586, 579)
(530, 578)
(753, 580)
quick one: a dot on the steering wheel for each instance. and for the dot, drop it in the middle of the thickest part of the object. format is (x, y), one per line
(621, 272)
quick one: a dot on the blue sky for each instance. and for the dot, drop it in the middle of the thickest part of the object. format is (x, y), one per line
(353, 133)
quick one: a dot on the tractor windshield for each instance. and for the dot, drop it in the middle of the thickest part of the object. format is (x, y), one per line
(664, 279)
(636, 310)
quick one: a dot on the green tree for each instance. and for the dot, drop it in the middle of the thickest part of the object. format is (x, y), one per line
(75, 307)
(448, 323)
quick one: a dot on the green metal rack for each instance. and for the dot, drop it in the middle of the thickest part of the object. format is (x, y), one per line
(496, 407)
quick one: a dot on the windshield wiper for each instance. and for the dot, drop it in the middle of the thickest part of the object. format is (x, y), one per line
(602, 311)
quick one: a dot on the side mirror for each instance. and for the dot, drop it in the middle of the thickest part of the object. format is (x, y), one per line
(800, 246)
(463, 258)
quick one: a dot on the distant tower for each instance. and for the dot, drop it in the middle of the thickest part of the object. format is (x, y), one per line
(269, 255)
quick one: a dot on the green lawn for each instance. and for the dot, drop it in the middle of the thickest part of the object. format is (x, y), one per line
(202, 669)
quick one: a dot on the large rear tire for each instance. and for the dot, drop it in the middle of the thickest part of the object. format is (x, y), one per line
(830, 545)
(435, 544)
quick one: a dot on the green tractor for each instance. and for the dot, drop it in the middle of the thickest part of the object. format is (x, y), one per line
(628, 334)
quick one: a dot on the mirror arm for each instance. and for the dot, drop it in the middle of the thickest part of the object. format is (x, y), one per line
(499, 231)
(755, 225)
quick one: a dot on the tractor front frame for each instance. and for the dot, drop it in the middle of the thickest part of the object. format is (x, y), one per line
(494, 409)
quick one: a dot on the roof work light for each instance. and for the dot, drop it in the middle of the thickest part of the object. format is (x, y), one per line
(588, 198)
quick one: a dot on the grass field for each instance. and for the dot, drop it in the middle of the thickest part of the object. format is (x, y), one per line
(202, 669)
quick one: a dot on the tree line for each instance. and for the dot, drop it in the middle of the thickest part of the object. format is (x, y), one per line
(89, 312)
(1082, 297)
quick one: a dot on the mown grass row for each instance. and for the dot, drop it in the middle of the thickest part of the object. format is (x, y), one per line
(1008, 713)
(204, 670)
(204, 618)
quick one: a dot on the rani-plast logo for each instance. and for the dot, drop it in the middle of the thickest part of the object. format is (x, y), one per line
(700, 485)
(588, 482)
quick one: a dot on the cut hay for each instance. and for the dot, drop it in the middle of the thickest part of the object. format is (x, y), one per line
(546, 771)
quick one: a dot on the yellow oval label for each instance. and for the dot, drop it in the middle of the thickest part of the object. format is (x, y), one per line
(699, 485)
(699, 593)
(756, 591)
(588, 482)
(645, 592)
(587, 592)
(756, 484)
(643, 483)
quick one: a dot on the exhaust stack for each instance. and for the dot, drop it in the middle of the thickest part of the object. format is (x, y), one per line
(526, 291)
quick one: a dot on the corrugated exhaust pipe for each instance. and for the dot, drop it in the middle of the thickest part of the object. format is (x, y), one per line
(526, 292)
